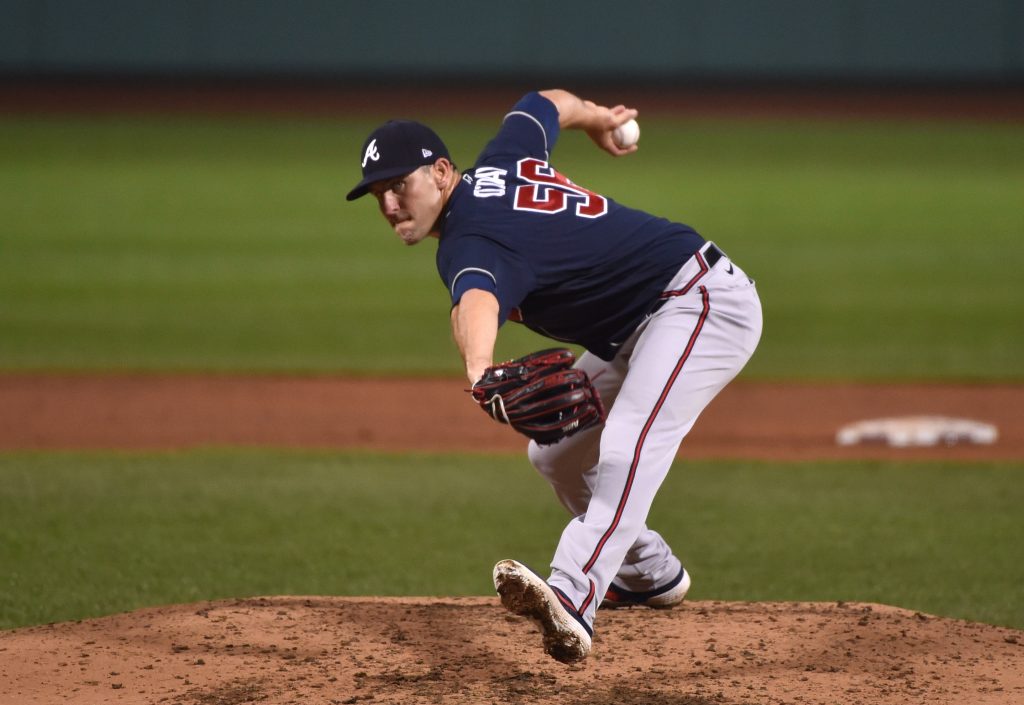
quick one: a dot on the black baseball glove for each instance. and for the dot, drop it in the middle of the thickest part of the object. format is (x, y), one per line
(540, 395)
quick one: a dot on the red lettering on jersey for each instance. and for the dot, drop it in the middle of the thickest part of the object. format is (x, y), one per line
(547, 191)
(531, 197)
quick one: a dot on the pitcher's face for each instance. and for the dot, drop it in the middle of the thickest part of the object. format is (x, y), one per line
(411, 204)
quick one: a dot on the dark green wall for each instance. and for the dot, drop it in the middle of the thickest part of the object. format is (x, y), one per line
(859, 39)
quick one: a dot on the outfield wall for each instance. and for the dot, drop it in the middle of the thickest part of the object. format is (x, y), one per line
(960, 40)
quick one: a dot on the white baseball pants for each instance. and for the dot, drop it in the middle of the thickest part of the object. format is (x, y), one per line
(667, 372)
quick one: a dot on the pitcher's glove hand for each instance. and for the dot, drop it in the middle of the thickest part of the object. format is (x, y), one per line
(540, 395)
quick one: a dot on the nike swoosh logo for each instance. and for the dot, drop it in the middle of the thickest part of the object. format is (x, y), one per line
(730, 269)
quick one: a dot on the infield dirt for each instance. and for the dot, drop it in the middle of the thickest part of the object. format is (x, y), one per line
(747, 420)
(468, 650)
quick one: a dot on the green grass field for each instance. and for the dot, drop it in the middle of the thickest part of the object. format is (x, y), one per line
(887, 250)
(91, 534)
(882, 250)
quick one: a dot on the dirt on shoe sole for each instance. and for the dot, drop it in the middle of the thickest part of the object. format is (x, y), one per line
(524, 598)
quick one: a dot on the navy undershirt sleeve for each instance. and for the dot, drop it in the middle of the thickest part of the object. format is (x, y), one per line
(472, 279)
(481, 263)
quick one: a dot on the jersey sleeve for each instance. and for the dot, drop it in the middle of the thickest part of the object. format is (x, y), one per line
(481, 263)
(530, 129)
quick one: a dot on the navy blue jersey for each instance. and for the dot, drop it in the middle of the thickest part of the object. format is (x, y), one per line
(566, 262)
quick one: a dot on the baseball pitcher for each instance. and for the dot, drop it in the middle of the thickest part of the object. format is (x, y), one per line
(666, 319)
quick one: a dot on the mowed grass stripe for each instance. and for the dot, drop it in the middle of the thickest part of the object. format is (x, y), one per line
(92, 534)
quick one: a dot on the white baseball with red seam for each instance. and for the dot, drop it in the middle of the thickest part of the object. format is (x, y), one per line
(627, 134)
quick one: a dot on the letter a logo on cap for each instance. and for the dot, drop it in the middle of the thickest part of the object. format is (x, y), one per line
(371, 152)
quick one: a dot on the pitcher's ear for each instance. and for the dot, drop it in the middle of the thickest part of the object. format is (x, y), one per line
(442, 167)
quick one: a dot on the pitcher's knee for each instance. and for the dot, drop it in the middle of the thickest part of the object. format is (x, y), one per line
(564, 461)
(543, 459)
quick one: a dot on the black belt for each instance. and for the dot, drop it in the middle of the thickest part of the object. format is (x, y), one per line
(712, 254)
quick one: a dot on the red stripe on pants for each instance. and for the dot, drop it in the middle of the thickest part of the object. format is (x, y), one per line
(705, 301)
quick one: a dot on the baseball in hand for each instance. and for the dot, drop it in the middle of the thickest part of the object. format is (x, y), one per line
(627, 134)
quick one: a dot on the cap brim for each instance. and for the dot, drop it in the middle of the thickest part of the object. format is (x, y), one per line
(363, 187)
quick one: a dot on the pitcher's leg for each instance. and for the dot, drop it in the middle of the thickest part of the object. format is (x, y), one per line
(570, 467)
(683, 357)
(572, 472)
(649, 564)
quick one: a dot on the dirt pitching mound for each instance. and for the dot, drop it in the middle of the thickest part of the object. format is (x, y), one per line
(469, 650)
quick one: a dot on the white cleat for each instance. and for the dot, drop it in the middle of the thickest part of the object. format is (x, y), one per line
(664, 598)
(566, 637)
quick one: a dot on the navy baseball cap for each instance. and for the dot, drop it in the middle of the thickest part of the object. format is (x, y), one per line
(397, 148)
